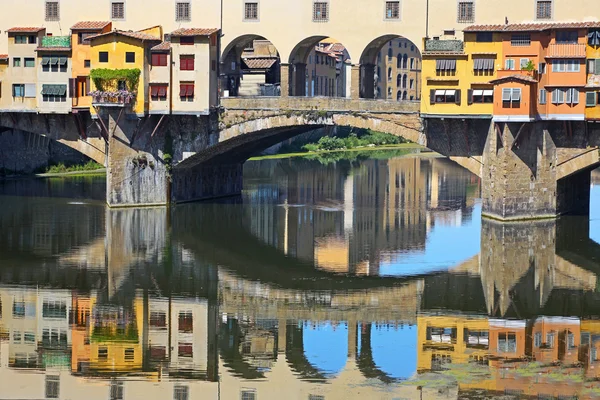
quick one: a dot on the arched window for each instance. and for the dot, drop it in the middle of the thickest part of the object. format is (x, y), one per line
(404, 95)
(412, 63)
(412, 84)
(389, 74)
(399, 61)
(405, 61)
(412, 47)
(389, 93)
(378, 73)
(390, 53)
(405, 44)
(398, 80)
(404, 78)
(399, 95)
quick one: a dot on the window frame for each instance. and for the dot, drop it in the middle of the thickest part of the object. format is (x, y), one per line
(161, 57)
(511, 97)
(246, 6)
(463, 17)
(178, 15)
(487, 35)
(520, 40)
(47, 9)
(187, 86)
(388, 13)
(31, 60)
(100, 54)
(543, 96)
(128, 54)
(112, 10)
(317, 14)
(545, 17)
(184, 62)
(17, 62)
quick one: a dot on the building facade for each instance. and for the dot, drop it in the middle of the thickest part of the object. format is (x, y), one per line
(398, 74)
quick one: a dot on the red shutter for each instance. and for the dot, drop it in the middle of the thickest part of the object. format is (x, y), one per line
(155, 60)
(162, 91)
(191, 63)
(163, 60)
(190, 90)
(154, 90)
(182, 90)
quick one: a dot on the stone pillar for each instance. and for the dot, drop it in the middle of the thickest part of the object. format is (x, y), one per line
(300, 79)
(285, 79)
(352, 338)
(519, 179)
(134, 176)
(347, 83)
(355, 82)
(367, 81)
(281, 334)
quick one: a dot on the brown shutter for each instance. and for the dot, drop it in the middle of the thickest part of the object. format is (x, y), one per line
(470, 96)
(72, 88)
(432, 96)
(457, 98)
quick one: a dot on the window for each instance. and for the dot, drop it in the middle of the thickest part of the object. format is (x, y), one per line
(565, 65)
(103, 56)
(186, 40)
(389, 74)
(18, 91)
(550, 339)
(82, 37)
(483, 66)
(537, 337)
(129, 355)
(158, 319)
(180, 393)
(16, 62)
(130, 57)
(29, 337)
(507, 342)
(412, 63)
(320, 11)
(185, 350)
(158, 93)
(29, 62)
(18, 305)
(481, 96)
(116, 390)
(16, 336)
(251, 11)
(87, 63)
(315, 397)
(117, 10)
(54, 308)
(248, 395)
(542, 98)
(511, 97)
(566, 37)
(484, 37)
(445, 67)
(444, 96)
(186, 63)
(593, 66)
(590, 99)
(30, 92)
(509, 64)
(52, 13)
(53, 93)
(594, 37)
(52, 386)
(20, 39)
(182, 11)
(542, 68)
(392, 9)
(466, 11)
(33, 39)
(476, 338)
(570, 340)
(102, 354)
(412, 83)
(543, 9)
(186, 91)
(520, 39)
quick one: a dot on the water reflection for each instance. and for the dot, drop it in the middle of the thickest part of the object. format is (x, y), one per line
(286, 295)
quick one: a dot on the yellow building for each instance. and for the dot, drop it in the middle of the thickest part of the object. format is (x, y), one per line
(592, 100)
(82, 59)
(123, 50)
(456, 75)
(399, 71)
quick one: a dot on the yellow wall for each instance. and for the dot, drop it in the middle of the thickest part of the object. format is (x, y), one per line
(117, 46)
(591, 112)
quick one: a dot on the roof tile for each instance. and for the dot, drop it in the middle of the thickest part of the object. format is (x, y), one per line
(532, 27)
(90, 25)
(194, 32)
(25, 30)
(164, 46)
(518, 77)
(3, 56)
(131, 34)
(259, 63)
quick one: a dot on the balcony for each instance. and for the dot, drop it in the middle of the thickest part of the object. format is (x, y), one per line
(566, 50)
(120, 98)
(55, 43)
(502, 73)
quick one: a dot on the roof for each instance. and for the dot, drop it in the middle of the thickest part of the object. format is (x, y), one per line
(25, 30)
(259, 63)
(135, 35)
(516, 77)
(164, 46)
(444, 53)
(532, 27)
(90, 25)
(336, 47)
(3, 56)
(194, 32)
(53, 49)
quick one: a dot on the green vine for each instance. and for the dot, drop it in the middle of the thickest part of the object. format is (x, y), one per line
(108, 79)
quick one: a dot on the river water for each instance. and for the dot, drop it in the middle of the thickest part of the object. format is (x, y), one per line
(368, 276)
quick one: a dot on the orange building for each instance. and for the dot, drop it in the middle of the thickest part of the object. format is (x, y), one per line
(81, 59)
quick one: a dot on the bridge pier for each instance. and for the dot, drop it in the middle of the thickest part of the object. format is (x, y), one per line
(523, 173)
(367, 82)
(136, 176)
(207, 181)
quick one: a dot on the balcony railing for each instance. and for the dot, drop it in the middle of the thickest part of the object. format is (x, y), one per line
(566, 50)
(119, 98)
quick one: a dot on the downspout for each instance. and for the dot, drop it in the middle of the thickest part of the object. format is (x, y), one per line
(169, 177)
(427, 20)
(219, 85)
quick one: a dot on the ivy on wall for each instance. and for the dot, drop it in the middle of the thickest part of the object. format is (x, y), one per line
(108, 79)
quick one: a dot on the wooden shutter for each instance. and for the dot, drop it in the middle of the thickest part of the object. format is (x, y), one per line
(72, 88)
(432, 96)
(470, 96)
(457, 97)
(590, 99)
(597, 67)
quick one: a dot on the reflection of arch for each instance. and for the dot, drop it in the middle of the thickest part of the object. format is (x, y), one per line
(365, 361)
(296, 357)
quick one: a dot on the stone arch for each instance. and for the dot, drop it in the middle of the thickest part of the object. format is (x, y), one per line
(366, 363)
(235, 62)
(368, 60)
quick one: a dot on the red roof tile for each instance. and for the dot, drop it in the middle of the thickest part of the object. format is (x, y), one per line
(25, 30)
(90, 25)
(531, 27)
(259, 63)
(164, 46)
(53, 49)
(3, 56)
(517, 77)
(194, 32)
(135, 35)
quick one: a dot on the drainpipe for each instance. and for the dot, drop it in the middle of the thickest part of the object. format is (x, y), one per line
(427, 20)
(219, 85)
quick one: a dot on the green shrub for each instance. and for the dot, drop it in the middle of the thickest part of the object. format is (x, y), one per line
(311, 147)
(331, 143)
(108, 79)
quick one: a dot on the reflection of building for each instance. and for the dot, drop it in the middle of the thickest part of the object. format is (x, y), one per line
(398, 72)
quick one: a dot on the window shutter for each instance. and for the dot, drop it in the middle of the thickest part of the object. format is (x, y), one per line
(432, 96)
(72, 88)
(590, 99)
(575, 96)
(569, 96)
(555, 96)
(470, 96)
(542, 99)
(591, 66)
(457, 97)
(597, 67)
(516, 94)
(506, 94)
(30, 90)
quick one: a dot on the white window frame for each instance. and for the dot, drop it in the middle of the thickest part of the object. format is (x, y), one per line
(511, 95)
(542, 98)
(30, 90)
(385, 10)
(509, 64)
(178, 18)
(523, 62)
(566, 65)
(112, 17)
(246, 19)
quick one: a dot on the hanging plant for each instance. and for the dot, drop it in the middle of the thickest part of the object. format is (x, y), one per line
(108, 79)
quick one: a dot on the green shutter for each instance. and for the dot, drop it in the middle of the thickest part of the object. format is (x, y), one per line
(45, 89)
(61, 89)
(590, 99)
(62, 61)
(45, 60)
